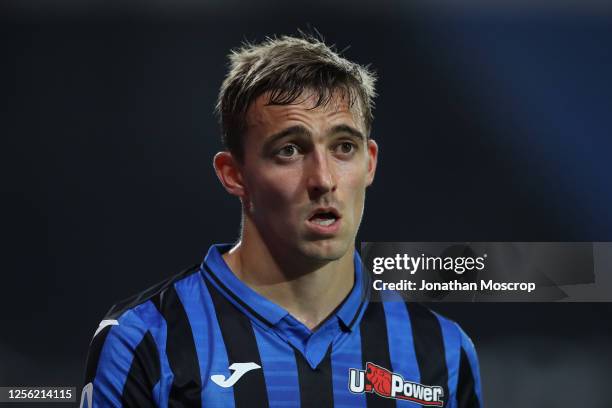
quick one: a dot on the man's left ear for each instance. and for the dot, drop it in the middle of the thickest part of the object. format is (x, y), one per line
(372, 160)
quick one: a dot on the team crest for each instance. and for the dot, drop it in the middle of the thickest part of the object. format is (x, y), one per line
(379, 380)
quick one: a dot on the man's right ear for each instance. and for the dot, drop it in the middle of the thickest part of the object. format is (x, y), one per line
(230, 173)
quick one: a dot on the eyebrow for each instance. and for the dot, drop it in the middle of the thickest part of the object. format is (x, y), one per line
(348, 129)
(299, 130)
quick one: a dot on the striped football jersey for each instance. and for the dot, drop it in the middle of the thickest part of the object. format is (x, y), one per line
(205, 339)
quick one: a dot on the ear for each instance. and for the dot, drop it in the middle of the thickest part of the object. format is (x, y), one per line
(229, 173)
(372, 161)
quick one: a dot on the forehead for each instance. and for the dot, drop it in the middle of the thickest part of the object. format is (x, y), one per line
(262, 116)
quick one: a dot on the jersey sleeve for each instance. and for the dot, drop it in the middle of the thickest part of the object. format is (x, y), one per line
(123, 367)
(469, 390)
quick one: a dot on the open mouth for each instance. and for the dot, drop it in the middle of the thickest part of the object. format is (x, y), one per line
(324, 219)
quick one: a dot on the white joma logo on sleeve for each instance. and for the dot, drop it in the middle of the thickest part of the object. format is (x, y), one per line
(104, 323)
(239, 369)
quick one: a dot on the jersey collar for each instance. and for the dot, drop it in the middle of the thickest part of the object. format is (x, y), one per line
(239, 293)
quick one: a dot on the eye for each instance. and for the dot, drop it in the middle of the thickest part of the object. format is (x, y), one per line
(287, 151)
(345, 148)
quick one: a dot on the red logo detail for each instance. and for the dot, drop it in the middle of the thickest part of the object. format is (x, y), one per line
(380, 378)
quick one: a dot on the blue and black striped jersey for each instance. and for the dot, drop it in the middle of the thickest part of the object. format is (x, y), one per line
(205, 339)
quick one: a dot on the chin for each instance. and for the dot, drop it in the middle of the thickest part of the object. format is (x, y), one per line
(325, 250)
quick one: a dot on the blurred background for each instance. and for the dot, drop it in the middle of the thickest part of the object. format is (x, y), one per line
(494, 122)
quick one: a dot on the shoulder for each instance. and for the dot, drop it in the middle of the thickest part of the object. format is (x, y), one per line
(425, 319)
(457, 336)
(428, 328)
(141, 312)
(434, 334)
(130, 339)
(152, 294)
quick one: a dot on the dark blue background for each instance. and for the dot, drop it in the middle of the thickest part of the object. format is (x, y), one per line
(493, 121)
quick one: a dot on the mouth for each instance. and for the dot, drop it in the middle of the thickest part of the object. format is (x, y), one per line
(325, 220)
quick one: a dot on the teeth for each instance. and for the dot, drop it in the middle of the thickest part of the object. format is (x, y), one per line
(325, 222)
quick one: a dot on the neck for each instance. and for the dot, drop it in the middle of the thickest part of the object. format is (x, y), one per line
(310, 290)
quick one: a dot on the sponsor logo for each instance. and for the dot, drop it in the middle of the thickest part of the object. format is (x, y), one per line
(239, 369)
(379, 380)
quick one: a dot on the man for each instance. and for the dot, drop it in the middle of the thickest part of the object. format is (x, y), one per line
(284, 316)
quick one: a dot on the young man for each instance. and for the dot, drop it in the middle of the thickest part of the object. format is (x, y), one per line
(284, 316)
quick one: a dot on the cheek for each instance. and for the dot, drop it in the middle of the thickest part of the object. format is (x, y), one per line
(353, 176)
(274, 190)
(358, 201)
(355, 183)
(354, 171)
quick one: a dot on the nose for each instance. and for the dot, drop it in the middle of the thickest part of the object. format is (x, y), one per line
(320, 175)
